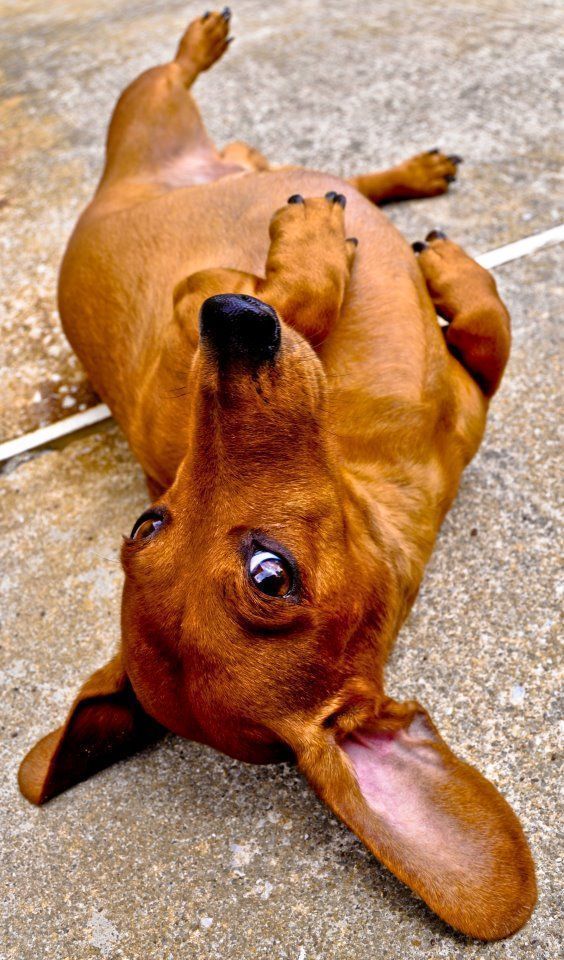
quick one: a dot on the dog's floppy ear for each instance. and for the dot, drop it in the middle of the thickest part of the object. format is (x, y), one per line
(432, 819)
(105, 724)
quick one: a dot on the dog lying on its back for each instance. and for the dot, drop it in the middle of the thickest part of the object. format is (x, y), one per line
(303, 422)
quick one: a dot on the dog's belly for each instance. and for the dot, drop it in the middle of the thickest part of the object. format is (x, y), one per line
(121, 268)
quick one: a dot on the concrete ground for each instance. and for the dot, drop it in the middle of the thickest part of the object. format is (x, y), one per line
(181, 852)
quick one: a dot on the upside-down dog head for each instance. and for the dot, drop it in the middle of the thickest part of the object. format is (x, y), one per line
(257, 608)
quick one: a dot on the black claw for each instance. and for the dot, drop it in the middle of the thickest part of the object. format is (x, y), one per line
(229, 40)
(226, 13)
(450, 178)
(353, 240)
(436, 235)
(206, 15)
(434, 150)
(336, 198)
(296, 198)
(418, 246)
(454, 158)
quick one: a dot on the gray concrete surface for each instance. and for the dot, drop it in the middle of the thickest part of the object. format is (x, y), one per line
(180, 852)
(344, 86)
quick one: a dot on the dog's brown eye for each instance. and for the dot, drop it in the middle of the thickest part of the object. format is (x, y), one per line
(147, 524)
(270, 573)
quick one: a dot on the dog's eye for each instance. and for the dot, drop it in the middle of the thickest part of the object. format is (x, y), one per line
(270, 573)
(148, 523)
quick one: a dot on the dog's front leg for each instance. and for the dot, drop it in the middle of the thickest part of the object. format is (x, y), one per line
(308, 264)
(306, 275)
(478, 333)
(307, 272)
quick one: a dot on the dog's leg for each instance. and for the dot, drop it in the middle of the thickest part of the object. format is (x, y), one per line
(156, 124)
(307, 272)
(425, 175)
(465, 295)
(244, 156)
(308, 264)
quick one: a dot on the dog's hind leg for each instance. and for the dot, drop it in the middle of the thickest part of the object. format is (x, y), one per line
(157, 138)
(425, 175)
(244, 156)
(465, 295)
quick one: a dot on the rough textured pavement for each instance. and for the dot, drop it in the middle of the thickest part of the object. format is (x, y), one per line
(181, 852)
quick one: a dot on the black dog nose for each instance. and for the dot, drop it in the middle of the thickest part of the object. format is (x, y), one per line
(241, 328)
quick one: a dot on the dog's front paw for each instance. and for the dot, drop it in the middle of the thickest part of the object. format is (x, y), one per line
(478, 330)
(454, 280)
(309, 262)
(318, 225)
(427, 174)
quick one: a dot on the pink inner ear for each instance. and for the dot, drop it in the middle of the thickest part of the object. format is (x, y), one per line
(401, 776)
(434, 821)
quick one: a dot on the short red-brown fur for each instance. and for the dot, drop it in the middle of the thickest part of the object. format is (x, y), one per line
(350, 452)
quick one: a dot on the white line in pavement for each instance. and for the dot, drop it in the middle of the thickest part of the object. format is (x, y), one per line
(63, 428)
(522, 248)
(53, 431)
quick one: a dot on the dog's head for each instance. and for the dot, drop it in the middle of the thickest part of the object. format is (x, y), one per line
(246, 582)
(258, 607)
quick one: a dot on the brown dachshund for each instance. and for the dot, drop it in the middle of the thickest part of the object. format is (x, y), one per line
(303, 421)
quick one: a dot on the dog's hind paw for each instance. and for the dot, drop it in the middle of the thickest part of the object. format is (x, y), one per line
(427, 174)
(205, 41)
(244, 156)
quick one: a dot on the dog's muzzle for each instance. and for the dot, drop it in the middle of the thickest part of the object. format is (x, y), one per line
(239, 328)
